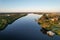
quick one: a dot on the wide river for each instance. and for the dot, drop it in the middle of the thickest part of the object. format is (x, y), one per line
(25, 28)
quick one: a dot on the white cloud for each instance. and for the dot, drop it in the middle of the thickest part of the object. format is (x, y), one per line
(28, 10)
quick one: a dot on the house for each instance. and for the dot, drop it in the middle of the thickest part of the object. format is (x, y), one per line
(50, 33)
(54, 19)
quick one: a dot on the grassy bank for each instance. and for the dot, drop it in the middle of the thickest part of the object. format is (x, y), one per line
(6, 19)
(50, 22)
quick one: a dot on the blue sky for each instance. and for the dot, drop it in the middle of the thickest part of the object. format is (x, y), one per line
(29, 5)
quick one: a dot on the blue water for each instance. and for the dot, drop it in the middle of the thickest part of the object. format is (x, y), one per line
(25, 28)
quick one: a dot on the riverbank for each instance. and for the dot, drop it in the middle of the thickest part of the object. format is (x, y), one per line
(50, 22)
(6, 19)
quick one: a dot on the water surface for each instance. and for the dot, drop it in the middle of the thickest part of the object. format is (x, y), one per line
(25, 28)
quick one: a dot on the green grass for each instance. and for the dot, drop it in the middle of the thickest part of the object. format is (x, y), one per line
(51, 25)
(5, 20)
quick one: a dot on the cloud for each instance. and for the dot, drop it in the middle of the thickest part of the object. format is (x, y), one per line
(27, 10)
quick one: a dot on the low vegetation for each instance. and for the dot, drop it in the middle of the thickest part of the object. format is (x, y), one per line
(50, 22)
(6, 19)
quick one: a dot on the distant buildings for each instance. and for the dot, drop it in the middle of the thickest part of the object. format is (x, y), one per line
(8, 15)
(50, 22)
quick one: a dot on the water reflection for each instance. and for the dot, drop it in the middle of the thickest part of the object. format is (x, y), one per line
(49, 33)
(6, 19)
(25, 28)
(43, 31)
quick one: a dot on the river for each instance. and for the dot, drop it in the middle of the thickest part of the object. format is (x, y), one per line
(25, 28)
